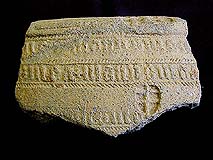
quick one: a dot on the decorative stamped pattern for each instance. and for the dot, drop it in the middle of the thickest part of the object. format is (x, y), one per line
(123, 45)
(107, 72)
(111, 74)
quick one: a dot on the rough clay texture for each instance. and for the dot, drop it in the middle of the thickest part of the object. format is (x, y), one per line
(110, 74)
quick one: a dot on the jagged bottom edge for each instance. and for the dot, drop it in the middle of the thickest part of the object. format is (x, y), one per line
(152, 118)
(46, 117)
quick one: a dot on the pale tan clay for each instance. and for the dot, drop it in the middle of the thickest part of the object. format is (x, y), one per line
(110, 74)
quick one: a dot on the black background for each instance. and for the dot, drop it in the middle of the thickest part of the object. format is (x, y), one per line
(183, 130)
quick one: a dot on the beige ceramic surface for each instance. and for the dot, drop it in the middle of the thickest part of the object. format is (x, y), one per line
(110, 74)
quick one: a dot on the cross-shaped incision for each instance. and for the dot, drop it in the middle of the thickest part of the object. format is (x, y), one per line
(148, 100)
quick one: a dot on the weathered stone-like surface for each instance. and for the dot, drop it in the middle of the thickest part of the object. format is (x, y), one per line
(111, 74)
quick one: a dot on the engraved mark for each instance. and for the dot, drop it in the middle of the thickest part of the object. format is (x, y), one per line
(147, 99)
